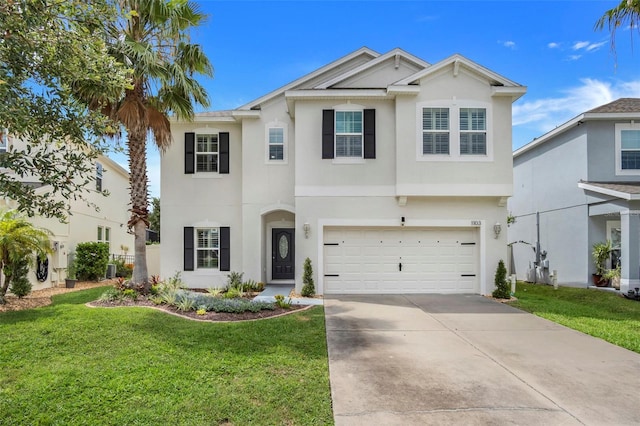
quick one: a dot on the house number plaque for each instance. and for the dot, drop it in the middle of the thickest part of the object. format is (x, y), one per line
(476, 222)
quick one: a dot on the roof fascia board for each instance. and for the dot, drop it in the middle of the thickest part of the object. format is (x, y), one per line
(461, 60)
(113, 165)
(514, 92)
(373, 63)
(607, 191)
(311, 75)
(542, 139)
(292, 96)
(587, 116)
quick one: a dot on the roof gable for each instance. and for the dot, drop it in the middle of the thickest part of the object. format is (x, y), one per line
(327, 72)
(379, 72)
(458, 60)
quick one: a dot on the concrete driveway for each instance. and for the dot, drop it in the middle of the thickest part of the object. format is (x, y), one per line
(465, 359)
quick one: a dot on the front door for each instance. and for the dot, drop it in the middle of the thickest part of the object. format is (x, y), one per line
(282, 253)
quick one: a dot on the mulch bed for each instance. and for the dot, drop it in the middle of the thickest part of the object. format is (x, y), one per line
(208, 316)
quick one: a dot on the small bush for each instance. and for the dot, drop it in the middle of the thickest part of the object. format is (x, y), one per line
(92, 259)
(19, 270)
(185, 303)
(308, 289)
(503, 289)
(234, 280)
(124, 270)
(214, 291)
(110, 295)
(201, 311)
(130, 294)
(282, 302)
(232, 293)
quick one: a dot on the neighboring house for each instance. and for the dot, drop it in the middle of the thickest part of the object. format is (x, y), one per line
(583, 178)
(388, 172)
(84, 223)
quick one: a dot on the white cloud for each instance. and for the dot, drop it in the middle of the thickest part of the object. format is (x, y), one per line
(580, 45)
(553, 45)
(510, 44)
(573, 57)
(548, 113)
(588, 46)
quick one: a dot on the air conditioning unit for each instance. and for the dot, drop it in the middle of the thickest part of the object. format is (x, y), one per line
(111, 271)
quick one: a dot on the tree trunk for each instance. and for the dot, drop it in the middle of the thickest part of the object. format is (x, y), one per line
(4, 287)
(139, 220)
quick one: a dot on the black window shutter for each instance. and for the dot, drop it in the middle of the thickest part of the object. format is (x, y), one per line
(223, 167)
(225, 248)
(369, 133)
(189, 152)
(328, 118)
(188, 248)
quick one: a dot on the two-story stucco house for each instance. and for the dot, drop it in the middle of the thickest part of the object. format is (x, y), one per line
(583, 178)
(388, 172)
(107, 223)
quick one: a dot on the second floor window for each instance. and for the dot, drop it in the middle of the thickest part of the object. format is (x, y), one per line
(630, 149)
(276, 143)
(348, 134)
(206, 153)
(4, 140)
(98, 177)
(435, 131)
(104, 235)
(473, 131)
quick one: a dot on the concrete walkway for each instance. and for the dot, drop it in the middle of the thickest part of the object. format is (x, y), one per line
(271, 290)
(465, 359)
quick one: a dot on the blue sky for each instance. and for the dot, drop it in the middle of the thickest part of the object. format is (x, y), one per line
(549, 46)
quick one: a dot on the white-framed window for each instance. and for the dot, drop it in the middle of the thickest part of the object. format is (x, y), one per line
(4, 140)
(473, 131)
(627, 141)
(454, 130)
(104, 235)
(207, 248)
(98, 177)
(435, 131)
(349, 134)
(276, 143)
(207, 153)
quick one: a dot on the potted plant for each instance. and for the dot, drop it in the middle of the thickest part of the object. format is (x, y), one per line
(601, 252)
(72, 269)
(613, 276)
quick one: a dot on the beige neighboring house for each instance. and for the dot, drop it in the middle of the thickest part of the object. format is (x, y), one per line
(390, 173)
(84, 223)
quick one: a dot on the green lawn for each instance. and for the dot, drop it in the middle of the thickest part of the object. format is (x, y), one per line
(70, 364)
(598, 313)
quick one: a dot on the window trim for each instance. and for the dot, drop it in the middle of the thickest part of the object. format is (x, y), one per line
(197, 248)
(454, 106)
(435, 131)
(285, 134)
(196, 153)
(472, 131)
(4, 140)
(619, 127)
(348, 159)
(104, 235)
(99, 176)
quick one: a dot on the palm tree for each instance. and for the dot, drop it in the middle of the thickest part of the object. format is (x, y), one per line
(627, 13)
(151, 38)
(19, 239)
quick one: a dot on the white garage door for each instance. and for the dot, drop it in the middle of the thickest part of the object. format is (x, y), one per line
(400, 260)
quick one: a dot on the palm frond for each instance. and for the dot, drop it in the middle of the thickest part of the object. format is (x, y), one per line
(160, 126)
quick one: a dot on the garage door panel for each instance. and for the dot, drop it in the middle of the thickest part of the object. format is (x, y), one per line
(366, 260)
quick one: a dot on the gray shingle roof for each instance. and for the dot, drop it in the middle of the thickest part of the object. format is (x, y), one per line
(620, 105)
(626, 187)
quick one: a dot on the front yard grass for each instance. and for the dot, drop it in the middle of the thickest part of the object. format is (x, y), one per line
(68, 364)
(597, 313)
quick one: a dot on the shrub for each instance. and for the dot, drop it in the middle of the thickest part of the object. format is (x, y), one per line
(185, 303)
(308, 289)
(214, 291)
(110, 295)
(19, 270)
(282, 302)
(503, 289)
(130, 293)
(124, 270)
(201, 311)
(234, 280)
(232, 293)
(92, 259)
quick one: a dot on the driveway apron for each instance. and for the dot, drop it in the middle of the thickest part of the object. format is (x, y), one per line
(466, 359)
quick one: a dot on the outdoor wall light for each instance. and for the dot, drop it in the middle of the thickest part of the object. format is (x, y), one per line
(497, 228)
(402, 220)
(306, 228)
